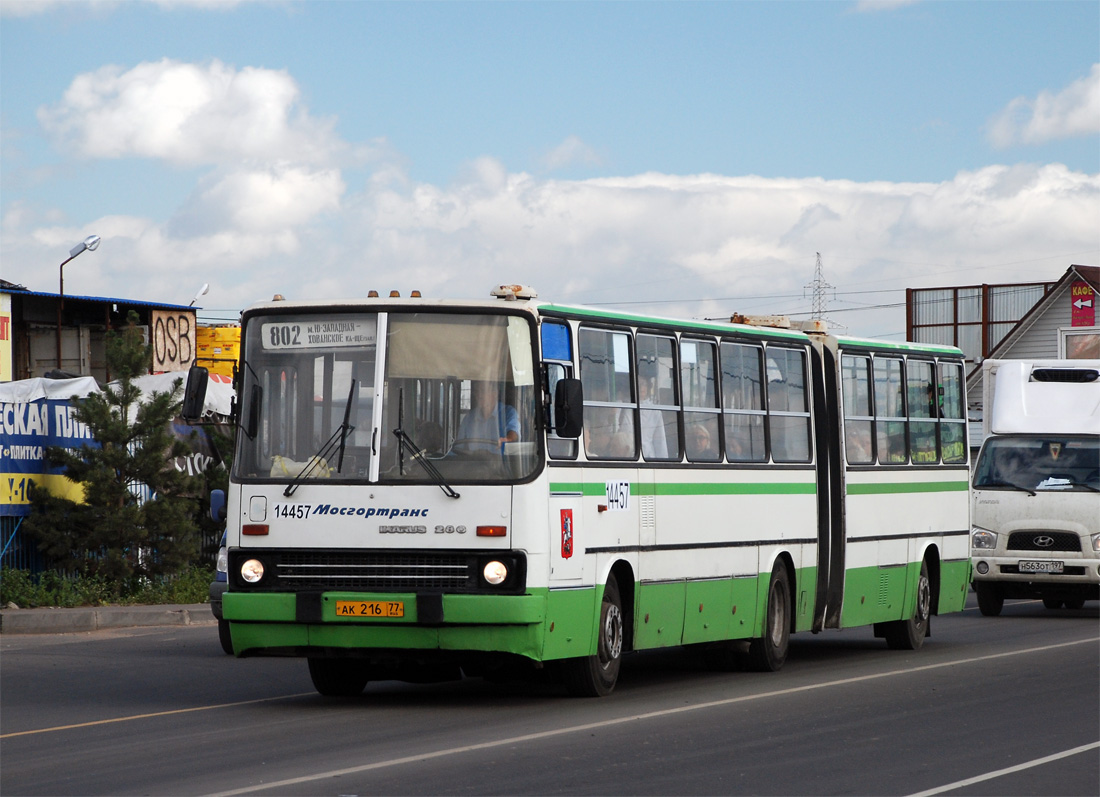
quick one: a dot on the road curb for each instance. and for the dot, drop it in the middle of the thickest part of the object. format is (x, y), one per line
(98, 618)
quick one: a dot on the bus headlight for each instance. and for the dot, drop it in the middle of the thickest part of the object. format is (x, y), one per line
(1096, 543)
(495, 573)
(982, 538)
(252, 570)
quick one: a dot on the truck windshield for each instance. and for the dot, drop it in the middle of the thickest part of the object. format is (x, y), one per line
(456, 390)
(1036, 464)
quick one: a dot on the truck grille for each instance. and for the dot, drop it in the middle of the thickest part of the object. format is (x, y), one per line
(1039, 540)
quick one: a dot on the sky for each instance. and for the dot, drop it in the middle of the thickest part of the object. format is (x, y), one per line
(678, 158)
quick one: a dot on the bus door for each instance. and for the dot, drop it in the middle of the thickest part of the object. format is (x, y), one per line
(830, 485)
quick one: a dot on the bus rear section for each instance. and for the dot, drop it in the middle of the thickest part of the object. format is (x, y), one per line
(1036, 485)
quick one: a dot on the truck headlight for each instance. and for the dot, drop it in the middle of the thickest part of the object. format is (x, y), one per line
(982, 538)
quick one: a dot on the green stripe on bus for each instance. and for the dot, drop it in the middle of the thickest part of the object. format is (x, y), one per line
(597, 489)
(907, 487)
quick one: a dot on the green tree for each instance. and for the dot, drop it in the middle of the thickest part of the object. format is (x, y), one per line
(114, 533)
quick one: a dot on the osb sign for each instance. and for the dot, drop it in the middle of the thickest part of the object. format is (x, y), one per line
(173, 335)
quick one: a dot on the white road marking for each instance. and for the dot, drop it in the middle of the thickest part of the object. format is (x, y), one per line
(1007, 770)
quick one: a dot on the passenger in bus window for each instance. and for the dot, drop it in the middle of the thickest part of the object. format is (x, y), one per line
(489, 424)
(700, 444)
(654, 444)
(857, 442)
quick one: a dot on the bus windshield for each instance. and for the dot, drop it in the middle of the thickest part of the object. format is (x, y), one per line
(1039, 463)
(399, 397)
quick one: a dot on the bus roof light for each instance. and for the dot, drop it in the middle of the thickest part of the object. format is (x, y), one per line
(512, 292)
(372, 294)
(395, 294)
(415, 294)
(777, 321)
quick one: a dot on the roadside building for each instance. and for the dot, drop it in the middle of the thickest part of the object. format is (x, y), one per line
(47, 333)
(1023, 321)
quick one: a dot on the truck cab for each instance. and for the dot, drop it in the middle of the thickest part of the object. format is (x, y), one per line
(1036, 485)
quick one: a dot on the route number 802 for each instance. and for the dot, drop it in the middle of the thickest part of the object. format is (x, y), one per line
(282, 336)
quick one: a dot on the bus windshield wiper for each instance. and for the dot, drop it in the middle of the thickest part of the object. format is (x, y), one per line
(336, 442)
(418, 455)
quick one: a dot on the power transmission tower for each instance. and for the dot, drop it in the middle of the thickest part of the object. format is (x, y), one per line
(820, 301)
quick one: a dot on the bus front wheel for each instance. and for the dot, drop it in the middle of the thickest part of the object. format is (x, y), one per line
(596, 675)
(769, 652)
(338, 677)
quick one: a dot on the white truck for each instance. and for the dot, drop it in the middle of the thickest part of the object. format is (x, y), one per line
(1036, 485)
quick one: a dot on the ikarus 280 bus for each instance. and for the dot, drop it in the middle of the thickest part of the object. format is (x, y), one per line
(423, 488)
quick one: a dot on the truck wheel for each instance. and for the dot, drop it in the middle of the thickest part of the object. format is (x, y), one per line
(990, 598)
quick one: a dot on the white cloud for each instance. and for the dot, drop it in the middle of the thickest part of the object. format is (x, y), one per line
(570, 152)
(30, 8)
(279, 197)
(1072, 112)
(663, 239)
(189, 114)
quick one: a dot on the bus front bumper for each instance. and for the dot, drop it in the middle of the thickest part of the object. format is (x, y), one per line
(295, 623)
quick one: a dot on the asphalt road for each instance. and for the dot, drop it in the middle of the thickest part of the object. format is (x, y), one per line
(990, 706)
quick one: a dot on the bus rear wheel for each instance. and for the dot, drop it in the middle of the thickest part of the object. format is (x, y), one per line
(596, 675)
(910, 634)
(769, 652)
(338, 677)
(990, 598)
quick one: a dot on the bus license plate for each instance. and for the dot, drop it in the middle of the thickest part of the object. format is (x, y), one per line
(1042, 567)
(370, 609)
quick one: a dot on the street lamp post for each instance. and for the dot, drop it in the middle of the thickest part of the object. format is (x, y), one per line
(90, 243)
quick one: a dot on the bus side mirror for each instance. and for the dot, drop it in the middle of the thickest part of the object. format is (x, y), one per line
(568, 408)
(217, 505)
(194, 394)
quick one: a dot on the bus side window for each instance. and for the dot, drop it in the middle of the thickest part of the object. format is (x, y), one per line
(788, 409)
(920, 383)
(608, 376)
(858, 415)
(951, 414)
(658, 407)
(699, 387)
(889, 411)
(743, 402)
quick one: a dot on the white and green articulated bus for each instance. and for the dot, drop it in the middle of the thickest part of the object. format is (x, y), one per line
(425, 488)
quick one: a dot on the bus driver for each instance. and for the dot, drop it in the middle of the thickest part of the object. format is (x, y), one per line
(489, 424)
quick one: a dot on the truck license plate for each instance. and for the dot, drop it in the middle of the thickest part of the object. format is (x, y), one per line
(1042, 567)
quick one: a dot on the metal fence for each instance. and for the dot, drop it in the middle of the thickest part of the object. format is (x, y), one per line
(19, 551)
